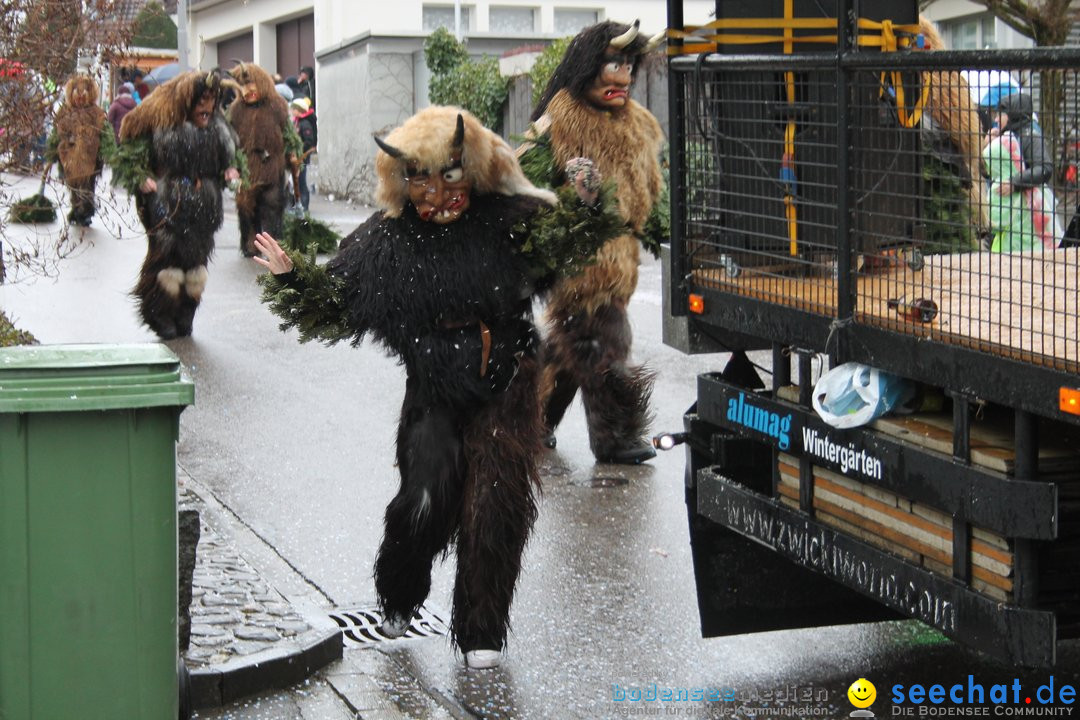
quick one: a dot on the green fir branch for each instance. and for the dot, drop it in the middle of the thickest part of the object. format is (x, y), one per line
(309, 300)
(304, 233)
(538, 163)
(564, 239)
(131, 164)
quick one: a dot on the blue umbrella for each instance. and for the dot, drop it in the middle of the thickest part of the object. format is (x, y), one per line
(162, 74)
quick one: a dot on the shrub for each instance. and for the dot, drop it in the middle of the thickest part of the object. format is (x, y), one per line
(545, 65)
(443, 52)
(10, 335)
(476, 86)
(153, 28)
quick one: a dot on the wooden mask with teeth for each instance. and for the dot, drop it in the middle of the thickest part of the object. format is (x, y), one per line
(440, 156)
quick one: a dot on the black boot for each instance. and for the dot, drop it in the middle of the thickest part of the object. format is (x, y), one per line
(633, 454)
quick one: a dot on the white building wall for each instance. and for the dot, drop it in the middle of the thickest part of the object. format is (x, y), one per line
(208, 25)
(372, 93)
(338, 20)
(944, 12)
(370, 70)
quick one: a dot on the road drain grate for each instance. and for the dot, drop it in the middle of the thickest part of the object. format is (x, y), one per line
(360, 626)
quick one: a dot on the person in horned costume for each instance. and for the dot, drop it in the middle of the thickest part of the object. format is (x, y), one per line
(176, 154)
(443, 277)
(586, 110)
(80, 145)
(270, 144)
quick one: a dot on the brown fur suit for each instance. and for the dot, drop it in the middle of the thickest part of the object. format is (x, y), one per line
(77, 129)
(260, 201)
(954, 112)
(588, 333)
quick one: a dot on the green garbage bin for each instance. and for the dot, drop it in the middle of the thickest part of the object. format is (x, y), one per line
(88, 547)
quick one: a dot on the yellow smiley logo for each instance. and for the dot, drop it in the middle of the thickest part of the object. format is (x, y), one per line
(862, 693)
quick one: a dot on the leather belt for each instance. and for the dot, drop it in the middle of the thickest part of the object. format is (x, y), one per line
(485, 340)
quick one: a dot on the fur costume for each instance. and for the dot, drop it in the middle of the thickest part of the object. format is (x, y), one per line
(454, 303)
(80, 145)
(588, 339)
(188, 163)
(954, 133)
(266, 134)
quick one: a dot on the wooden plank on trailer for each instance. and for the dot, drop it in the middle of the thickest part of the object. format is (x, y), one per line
(992, 539)
(998, 445)
(1019, 305)
(868, 537)
(990, 567)
(896, 524)
(1000, 590)
(887, 537)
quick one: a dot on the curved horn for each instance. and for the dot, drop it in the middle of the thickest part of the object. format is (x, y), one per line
(459, 132)
(654, 41)
(228, 82)
(620, 41)
(388, 148)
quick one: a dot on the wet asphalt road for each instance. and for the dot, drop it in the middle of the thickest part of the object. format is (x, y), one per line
(298, 442)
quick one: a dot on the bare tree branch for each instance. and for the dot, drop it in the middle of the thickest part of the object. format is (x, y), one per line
(1047, 22)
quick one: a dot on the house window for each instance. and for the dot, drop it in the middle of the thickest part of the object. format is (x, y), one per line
(971, 33)
(437, 16)
(512, 20)
(571, 22)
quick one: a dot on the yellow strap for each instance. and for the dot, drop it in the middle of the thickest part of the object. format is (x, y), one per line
(696, 41)
(790, 210)
(888, 41)
(871, 33)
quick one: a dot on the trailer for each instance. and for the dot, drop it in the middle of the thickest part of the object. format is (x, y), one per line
(830, 204)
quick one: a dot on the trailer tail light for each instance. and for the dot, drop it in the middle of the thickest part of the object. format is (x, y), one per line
(1069, 400)
(697, 304)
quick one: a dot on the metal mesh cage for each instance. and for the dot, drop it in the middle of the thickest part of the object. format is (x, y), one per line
(869, 188)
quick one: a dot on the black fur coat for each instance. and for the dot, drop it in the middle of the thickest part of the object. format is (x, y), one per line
(188, 164)
(420, 288)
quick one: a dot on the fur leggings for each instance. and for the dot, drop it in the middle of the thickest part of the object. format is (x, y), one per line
(467, 476)
(589, 350)
(81, 192)
(260, 210)
(169, 295)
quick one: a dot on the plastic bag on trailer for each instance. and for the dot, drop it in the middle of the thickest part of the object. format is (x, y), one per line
(854, 394)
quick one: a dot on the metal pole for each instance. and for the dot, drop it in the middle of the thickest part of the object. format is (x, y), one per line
(457, 19)
(845, 283)
(677, 131)
(182, 35)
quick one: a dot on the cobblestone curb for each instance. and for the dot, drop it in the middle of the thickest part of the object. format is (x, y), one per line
(245, 635)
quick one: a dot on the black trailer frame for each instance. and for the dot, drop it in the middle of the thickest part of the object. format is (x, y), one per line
(733, 505)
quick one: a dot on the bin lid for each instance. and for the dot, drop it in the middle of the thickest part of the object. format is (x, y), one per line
(52, 378)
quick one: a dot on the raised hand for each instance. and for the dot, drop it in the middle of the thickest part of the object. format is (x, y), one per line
(277, 261)
(586, 179)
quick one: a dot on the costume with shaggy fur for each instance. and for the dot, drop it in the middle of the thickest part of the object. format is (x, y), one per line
(588, 338)
(435, 295)
(266, 136)
(953, 136)
(188, 164)
(80, 145)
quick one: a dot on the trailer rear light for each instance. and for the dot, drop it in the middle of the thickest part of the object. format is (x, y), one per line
(697, 304)
(1069, 400)
(666, 441)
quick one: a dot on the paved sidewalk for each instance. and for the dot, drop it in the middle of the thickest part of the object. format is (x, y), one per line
(264, 646)
(246, 637)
